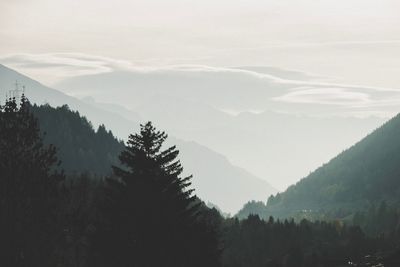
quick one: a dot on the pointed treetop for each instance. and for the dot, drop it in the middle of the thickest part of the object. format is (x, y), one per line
(149, 140)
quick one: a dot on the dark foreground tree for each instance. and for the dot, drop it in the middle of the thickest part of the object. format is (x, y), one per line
(153, 218)
(28, 190)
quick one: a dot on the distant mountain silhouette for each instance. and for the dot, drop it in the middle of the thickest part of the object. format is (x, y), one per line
(213, 108)
(217, 180)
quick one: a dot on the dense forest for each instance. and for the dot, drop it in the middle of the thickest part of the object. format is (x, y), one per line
(109, 203)
(80, 148)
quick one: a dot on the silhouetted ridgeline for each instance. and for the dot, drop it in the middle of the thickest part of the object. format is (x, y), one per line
(361, 180)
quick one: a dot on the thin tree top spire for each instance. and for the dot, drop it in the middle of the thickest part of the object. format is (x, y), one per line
(149, 140)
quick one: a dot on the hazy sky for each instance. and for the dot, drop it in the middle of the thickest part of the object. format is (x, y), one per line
(351, 41)
(346, 52)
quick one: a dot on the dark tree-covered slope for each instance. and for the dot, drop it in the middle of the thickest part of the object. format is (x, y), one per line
(365, 174)
(80, 147)
(83, 149)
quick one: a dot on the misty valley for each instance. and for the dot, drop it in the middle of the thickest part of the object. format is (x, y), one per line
(75, 194)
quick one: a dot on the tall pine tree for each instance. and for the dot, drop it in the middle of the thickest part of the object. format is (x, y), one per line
(154, 216)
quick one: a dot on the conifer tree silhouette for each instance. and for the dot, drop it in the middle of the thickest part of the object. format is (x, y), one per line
(154, 215)
(28, 189)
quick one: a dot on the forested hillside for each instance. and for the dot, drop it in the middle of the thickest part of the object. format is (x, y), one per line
(80, 147)
(358, 179)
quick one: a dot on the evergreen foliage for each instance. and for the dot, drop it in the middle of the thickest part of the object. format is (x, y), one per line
(81, 149)
(254, 242)
(153, 215)
(29, 190)
(79, 216)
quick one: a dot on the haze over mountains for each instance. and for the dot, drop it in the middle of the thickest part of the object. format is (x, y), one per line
(258, 120)
(232, 111)
(208, 167)
(246, 113)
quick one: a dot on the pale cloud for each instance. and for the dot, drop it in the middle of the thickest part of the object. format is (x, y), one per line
(326, 96)
(64, 65)
(53, 67)
(276, 91)
(74, 63)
